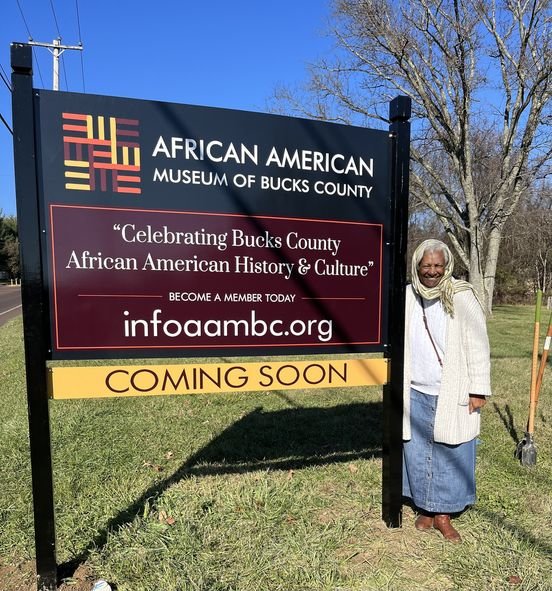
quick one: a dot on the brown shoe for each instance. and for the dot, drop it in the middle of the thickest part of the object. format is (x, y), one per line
(423, 523)
(443, 524)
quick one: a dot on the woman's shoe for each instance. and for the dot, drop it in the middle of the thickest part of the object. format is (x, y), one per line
(423, 523)
(443, 524)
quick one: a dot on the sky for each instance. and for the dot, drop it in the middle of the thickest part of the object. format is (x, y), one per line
(219, 53)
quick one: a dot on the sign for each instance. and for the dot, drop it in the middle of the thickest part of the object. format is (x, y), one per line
(178, 230)
(136, 217)
(164, 380)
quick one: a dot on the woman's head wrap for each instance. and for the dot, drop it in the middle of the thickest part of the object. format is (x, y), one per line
(448, 286)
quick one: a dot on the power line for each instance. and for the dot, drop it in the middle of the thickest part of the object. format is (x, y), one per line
(82, 73)
(6, 123)
(4, 77)
(59, 37)
(38, 66)
(64, 72)
(24, 20)
(80, 43)
(3, 70)
(78, 20)
(55, 18)
(30, 39)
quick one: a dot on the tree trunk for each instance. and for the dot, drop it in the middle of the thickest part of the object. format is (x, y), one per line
(495, 239)
(476, 276)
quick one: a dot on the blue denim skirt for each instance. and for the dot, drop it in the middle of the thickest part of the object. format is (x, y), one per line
(439, 478)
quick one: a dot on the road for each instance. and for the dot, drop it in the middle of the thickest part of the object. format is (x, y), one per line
(10, 303)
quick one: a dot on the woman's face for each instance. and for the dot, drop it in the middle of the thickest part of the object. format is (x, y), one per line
(431, 268)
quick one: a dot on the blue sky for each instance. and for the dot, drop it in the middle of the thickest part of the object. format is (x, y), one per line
(217, 53)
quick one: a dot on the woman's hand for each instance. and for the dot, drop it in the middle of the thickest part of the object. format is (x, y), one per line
(476, 402)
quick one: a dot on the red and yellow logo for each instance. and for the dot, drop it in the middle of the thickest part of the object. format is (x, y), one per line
(101, 153)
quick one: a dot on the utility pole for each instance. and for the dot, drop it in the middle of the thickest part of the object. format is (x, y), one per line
(56, 49)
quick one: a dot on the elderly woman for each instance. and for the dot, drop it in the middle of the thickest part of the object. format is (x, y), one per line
(447, 380)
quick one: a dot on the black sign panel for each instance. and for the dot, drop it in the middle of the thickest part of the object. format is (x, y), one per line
(173, 229)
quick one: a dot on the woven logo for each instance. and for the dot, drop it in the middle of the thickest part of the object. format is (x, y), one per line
(101, 153)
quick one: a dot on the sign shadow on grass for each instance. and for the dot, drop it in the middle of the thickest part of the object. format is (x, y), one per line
(289, 439)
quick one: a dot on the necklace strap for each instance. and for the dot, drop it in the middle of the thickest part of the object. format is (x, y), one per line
(429, 332)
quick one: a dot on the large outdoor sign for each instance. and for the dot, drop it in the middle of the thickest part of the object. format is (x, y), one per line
(178, 230)
(151, 229)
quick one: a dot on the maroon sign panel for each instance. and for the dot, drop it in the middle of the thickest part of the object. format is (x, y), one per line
(159, 279)
(172, 229)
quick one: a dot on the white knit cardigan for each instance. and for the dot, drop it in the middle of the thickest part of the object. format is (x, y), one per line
(466, 370)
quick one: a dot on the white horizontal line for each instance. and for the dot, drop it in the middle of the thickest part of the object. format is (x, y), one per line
(360, 299)
(10, 310)
(115, 295)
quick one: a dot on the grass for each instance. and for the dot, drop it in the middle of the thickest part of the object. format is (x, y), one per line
(273, 491)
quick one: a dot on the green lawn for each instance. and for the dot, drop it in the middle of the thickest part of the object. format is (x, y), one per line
(273, 491)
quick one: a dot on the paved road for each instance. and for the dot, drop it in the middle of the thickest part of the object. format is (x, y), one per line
(10, 303)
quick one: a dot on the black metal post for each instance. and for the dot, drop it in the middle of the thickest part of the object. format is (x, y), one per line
(399, 115)
(34, 314)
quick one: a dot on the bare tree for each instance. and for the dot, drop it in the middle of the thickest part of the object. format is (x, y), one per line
(476, 70)
(525, 262)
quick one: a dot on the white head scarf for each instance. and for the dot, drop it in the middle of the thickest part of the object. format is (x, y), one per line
(448, 286)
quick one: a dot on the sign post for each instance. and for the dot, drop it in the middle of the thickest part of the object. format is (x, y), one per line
(35, 314)
(399, 115)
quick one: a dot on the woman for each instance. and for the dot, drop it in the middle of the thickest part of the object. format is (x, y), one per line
(447, 380)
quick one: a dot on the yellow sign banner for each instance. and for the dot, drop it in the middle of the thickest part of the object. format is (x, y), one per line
(161, 380)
